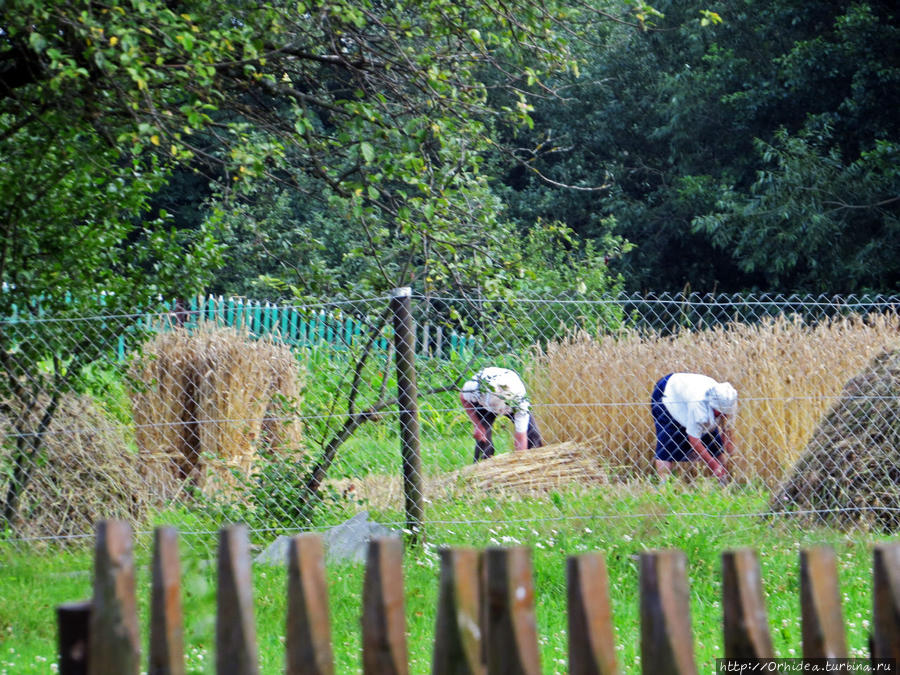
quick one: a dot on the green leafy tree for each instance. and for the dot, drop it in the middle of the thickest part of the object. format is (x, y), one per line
(682, 124)
(77, 239)
(815, 221)
(376, 115)
(822, 209)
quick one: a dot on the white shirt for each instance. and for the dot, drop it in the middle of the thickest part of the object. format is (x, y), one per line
(685, 399)
(501, 391)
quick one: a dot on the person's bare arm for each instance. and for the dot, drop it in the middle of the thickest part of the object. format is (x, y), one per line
(521, 440)
(727, 446)
(717, 468)
(480, 433)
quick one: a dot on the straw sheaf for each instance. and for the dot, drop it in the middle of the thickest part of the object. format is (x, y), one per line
(86, 472)
(544, 469)
(787, 375)
(513, 474)
(210, 400)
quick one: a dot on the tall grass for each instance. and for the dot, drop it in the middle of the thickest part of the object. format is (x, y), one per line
(787, 373)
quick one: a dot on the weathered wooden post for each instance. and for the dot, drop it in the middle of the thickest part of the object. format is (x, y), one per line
(509, 624)
(886, 601)
(308, 625)
(820, 605)
(408, 401)
(592, 642)
(72, 620)
(166, 618)
(457, 633)
(235, 626)
(667, 644)
(384, 618)
(114, 644)
(744, 620)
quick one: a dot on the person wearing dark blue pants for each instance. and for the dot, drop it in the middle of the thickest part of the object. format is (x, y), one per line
(690, 413)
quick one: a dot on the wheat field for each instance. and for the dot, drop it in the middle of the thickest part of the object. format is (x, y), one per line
(787, 373)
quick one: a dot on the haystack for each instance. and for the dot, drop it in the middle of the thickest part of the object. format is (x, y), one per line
(849, 473)
(86, 471)
(537, 471)
(210, 401)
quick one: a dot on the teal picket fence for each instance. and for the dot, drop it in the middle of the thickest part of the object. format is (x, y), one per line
(301, 328)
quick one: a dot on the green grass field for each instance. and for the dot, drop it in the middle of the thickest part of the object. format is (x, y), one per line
(702, 520)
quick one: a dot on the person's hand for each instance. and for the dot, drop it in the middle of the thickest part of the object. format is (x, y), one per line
(721, 473)
(480, 434)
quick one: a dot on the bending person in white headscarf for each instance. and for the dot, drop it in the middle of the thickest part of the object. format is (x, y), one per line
(493, 392)
(690, 412)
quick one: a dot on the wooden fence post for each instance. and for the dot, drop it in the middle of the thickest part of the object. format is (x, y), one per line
(114, 645)
(886, 601)
(820, 605)
(510, 627)
(408, 402)
(308, 648)
(235, 627)
(73, 620)
(383, 617)
(166, 618)
(744, 620)
(667, 644)
(457, 633)
(592, 641)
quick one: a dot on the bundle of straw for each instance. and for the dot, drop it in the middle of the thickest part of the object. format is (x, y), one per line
(210, 400)
(85, 471)
(550, 467)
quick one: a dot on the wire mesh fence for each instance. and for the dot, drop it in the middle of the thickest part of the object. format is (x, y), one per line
(292, 418)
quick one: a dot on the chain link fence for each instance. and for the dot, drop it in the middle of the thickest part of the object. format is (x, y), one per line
(295, 418)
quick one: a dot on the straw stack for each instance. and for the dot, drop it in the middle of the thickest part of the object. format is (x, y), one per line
(849, 469)
(544, 469)
(86, 472)
(210, 400)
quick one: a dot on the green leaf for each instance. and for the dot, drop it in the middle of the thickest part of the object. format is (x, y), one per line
(367, 151)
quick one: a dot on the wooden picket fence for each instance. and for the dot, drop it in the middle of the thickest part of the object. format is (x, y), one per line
(485, 622)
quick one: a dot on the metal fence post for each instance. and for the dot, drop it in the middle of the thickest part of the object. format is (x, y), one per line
(408, 399)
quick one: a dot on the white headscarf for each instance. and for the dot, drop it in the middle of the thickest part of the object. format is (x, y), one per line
(722, 397)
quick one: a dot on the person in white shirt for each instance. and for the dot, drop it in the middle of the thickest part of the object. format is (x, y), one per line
(690, 412)
(492, 392)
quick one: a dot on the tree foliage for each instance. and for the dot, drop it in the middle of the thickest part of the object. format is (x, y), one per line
(344, 139)
(724, 143)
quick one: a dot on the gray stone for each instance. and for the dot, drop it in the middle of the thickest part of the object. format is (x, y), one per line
(275, 554)
(349, 540)
(346, 542)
